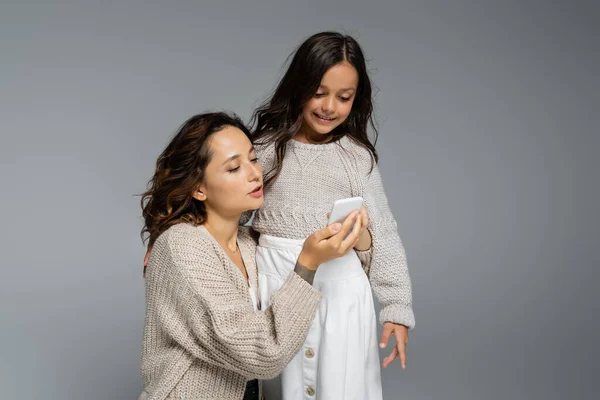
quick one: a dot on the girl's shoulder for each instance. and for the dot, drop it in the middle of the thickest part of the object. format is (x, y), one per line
(359, 157)
(355, 147)
(265, 152)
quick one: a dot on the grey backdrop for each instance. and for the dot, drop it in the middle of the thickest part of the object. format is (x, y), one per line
(489, 118)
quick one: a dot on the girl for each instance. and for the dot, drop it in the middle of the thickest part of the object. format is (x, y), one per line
(312, 141)
(203, 336)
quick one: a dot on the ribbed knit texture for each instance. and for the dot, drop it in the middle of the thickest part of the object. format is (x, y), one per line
(297, 202)
(202, 338)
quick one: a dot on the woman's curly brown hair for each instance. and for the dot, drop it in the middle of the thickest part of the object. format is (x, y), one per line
(179, 171)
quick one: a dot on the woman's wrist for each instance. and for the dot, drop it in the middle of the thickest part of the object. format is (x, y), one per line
(307, 261)
(304, 272)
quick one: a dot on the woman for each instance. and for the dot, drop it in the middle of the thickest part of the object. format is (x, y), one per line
(203, 335)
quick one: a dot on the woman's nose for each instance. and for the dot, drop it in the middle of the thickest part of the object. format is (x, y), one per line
(255, 172)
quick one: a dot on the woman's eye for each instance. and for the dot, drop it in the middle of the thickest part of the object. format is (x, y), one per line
(345, 98)
(254, 160)
(317, 95)
(234, 169)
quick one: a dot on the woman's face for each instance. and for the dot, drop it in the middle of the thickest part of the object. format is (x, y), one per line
(233, 177)
(332, 103)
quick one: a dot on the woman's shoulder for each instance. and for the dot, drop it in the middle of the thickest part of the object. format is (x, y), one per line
(184, 232)
(185, 239)
(190, 239)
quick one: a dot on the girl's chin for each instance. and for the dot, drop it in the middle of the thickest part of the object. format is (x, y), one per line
(322, 130)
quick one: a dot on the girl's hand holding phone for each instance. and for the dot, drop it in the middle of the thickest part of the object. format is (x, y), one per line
(364, 236)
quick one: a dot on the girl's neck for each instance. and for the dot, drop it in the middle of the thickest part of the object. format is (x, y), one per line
(307, 135)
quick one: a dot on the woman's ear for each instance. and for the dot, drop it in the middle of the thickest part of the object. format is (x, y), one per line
(199, 194)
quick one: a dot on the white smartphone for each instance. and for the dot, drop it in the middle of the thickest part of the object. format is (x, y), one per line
(342, 208)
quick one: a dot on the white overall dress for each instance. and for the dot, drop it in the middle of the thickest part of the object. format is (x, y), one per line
(340, 358)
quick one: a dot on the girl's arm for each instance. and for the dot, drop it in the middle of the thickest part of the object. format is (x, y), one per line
(388, 272)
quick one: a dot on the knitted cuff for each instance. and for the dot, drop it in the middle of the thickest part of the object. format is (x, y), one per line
(398, 314)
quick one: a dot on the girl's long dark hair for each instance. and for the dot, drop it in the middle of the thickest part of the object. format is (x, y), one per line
(279, 118)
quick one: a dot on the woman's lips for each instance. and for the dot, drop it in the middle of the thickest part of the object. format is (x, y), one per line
(258, 192)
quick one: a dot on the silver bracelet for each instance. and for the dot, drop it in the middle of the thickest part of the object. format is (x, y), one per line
(307, 274)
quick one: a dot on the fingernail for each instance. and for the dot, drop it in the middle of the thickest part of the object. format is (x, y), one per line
(336, 227)
(382, 345)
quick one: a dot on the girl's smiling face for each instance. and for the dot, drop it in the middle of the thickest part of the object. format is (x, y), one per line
(331, 104)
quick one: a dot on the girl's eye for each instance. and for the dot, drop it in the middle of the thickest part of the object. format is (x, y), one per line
(254, 160)
(317, 95)
(234, 169)
(345, 98)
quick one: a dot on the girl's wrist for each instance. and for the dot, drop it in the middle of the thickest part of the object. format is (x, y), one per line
(364, 241)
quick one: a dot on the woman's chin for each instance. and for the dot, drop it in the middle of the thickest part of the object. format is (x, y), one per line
(255, 203)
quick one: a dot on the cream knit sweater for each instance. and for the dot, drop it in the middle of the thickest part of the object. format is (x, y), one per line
(297, 203)
(202, 338)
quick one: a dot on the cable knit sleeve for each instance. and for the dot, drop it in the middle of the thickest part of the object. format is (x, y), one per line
(388, 273)
(197, 299)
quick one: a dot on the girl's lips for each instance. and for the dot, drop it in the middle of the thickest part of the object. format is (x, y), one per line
(323, 119)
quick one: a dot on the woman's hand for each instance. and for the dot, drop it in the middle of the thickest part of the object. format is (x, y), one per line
(400, 332)
(330, 242)
(364, 237)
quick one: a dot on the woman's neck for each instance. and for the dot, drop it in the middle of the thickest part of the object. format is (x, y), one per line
(224, 230)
